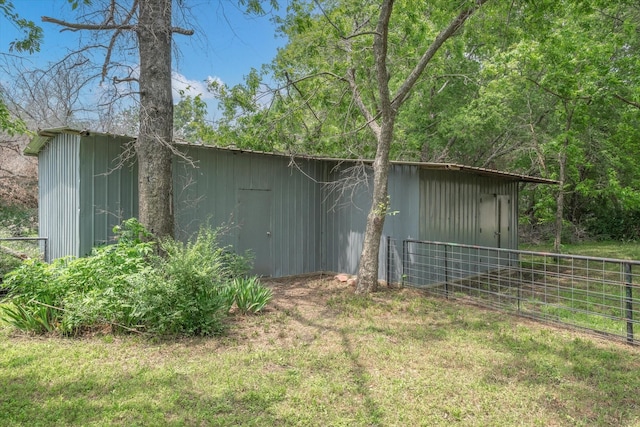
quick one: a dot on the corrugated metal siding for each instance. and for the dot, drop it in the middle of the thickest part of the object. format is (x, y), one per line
(463, 208)
(108, 188)
(346, 206)
(347, 217)
(58, 208)
(209, 194)
(449, 204)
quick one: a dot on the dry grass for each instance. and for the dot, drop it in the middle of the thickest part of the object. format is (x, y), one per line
(321, 356)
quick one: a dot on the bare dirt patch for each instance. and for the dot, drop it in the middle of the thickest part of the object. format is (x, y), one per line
(305, 310)
(297, 314)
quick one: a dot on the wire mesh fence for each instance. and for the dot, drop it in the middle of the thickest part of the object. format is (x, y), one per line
(24, 247)
(596, 294)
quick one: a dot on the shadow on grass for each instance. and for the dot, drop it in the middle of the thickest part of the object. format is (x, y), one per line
(589, 384)
(579, 379)
(358, 372)
(139, 398)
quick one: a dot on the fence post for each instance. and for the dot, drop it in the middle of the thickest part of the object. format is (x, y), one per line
(388, 261)
(629, 301)
(446, 273)
(404, 252)
(519, 285)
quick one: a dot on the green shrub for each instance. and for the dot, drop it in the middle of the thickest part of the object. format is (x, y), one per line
(193, 276)
(128, 286)
(249, 295)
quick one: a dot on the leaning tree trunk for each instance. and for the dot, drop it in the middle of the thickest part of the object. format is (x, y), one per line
(153, 147)
(369, 264)
(388, 108)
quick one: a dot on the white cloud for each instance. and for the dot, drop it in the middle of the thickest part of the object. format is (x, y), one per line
(191, 87)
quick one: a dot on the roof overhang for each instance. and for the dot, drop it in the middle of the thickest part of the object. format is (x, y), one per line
(422, 165)
(44, 135)
(483, 172)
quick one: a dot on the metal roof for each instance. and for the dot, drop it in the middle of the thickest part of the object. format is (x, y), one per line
(44, 135)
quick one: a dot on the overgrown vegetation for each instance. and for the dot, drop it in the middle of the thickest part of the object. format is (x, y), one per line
(16, 221)
(128, 287)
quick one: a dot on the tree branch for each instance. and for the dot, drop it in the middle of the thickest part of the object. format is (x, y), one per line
(13, 253)
(116, 34)
(431, 51)
(627, 101)
(357, 97)
(380, 48)
(75, 26)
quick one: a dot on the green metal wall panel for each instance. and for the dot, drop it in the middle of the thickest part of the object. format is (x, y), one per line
(59, 196)
(108, 188)
(450, 206)
(301, 221)
(208, 194)
(347, 207)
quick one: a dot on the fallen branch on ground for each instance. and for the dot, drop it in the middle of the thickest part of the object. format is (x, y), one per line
(13, 253)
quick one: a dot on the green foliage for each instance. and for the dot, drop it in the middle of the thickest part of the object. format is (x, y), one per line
(249, 295)
(35, 295)
(190, 120)
(523, 87)
(30, 43)
(9, 124)
(16, 221)
(188, 291)
(190, 298)
(34, 318)
(33, 34)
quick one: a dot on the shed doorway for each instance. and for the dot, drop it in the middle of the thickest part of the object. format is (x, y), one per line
(254, 219)
(494, 220)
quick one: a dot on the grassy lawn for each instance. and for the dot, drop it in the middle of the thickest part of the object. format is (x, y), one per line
(617, 250)
(321, 356)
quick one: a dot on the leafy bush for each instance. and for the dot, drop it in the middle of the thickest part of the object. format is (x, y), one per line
(77, 293)
(130, 287)
(189, 295)
(34, 290)
(249, 295)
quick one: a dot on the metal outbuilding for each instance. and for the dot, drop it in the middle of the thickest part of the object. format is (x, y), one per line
(296, 214)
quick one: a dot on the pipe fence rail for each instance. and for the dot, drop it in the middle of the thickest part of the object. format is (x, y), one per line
(30, 247)
(599, 295)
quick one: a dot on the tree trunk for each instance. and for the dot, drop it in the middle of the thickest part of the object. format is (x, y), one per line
(369, 264)
(557, 242)
(388, 108)
(153, 147)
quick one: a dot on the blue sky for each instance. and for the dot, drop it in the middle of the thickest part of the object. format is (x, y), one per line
(227, 43)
